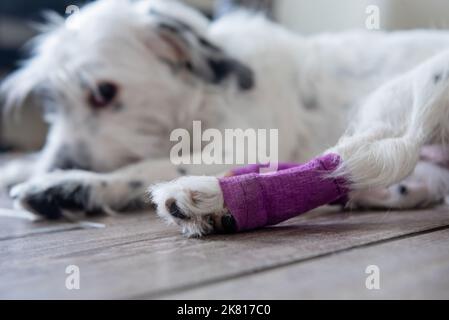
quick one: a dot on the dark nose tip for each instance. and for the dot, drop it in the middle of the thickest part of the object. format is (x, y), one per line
(69, 164)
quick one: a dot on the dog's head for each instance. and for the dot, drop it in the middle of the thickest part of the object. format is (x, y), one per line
(118, 76)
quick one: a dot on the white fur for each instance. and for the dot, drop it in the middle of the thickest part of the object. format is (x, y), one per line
(373, 89)
(199, 197)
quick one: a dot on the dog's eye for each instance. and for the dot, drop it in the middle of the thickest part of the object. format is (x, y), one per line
(104, 95)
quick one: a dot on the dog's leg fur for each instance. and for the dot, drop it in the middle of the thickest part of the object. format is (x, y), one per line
(383, 145)
(51, 193)
(381, 148)
(16, 171)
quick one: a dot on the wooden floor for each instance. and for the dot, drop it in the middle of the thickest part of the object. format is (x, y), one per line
(319, 255)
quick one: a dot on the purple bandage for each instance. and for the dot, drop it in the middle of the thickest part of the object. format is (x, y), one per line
(257, 200)
(258, 168)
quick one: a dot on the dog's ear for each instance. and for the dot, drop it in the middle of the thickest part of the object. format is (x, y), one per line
(19, 85)
(180, 46)
(33, 73)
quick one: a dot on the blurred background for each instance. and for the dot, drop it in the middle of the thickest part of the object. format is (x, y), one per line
(27, 131)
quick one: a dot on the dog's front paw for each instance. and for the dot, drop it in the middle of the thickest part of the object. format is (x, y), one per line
(51, 194)
(195, 204)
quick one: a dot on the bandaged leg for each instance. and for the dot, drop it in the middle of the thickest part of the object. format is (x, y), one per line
(257, 200)
(260, 168)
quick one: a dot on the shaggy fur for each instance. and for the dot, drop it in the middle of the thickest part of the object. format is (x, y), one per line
(385, 94)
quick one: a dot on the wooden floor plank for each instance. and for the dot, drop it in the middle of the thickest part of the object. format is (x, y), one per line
(138, 256)
(411, 268)
(15, 224)
(11, 228)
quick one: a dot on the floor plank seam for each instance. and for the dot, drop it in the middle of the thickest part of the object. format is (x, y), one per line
(74, 228)
(167, 292)
(87, 252)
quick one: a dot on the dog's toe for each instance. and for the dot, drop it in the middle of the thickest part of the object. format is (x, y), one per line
(175, 211)
(42, 205)
(49, 201)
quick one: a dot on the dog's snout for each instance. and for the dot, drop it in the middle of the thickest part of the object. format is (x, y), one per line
(71, 158)
(63, 162)
(69, 164)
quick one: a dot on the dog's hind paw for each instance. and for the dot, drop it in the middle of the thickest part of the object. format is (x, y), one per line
(195, 204)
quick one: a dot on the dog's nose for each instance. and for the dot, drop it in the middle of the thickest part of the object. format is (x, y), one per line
(69, 164)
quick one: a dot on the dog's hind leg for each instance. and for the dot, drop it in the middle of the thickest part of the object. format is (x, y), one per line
(383, 145)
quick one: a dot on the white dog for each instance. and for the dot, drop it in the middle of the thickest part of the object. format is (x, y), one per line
(122, 75)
